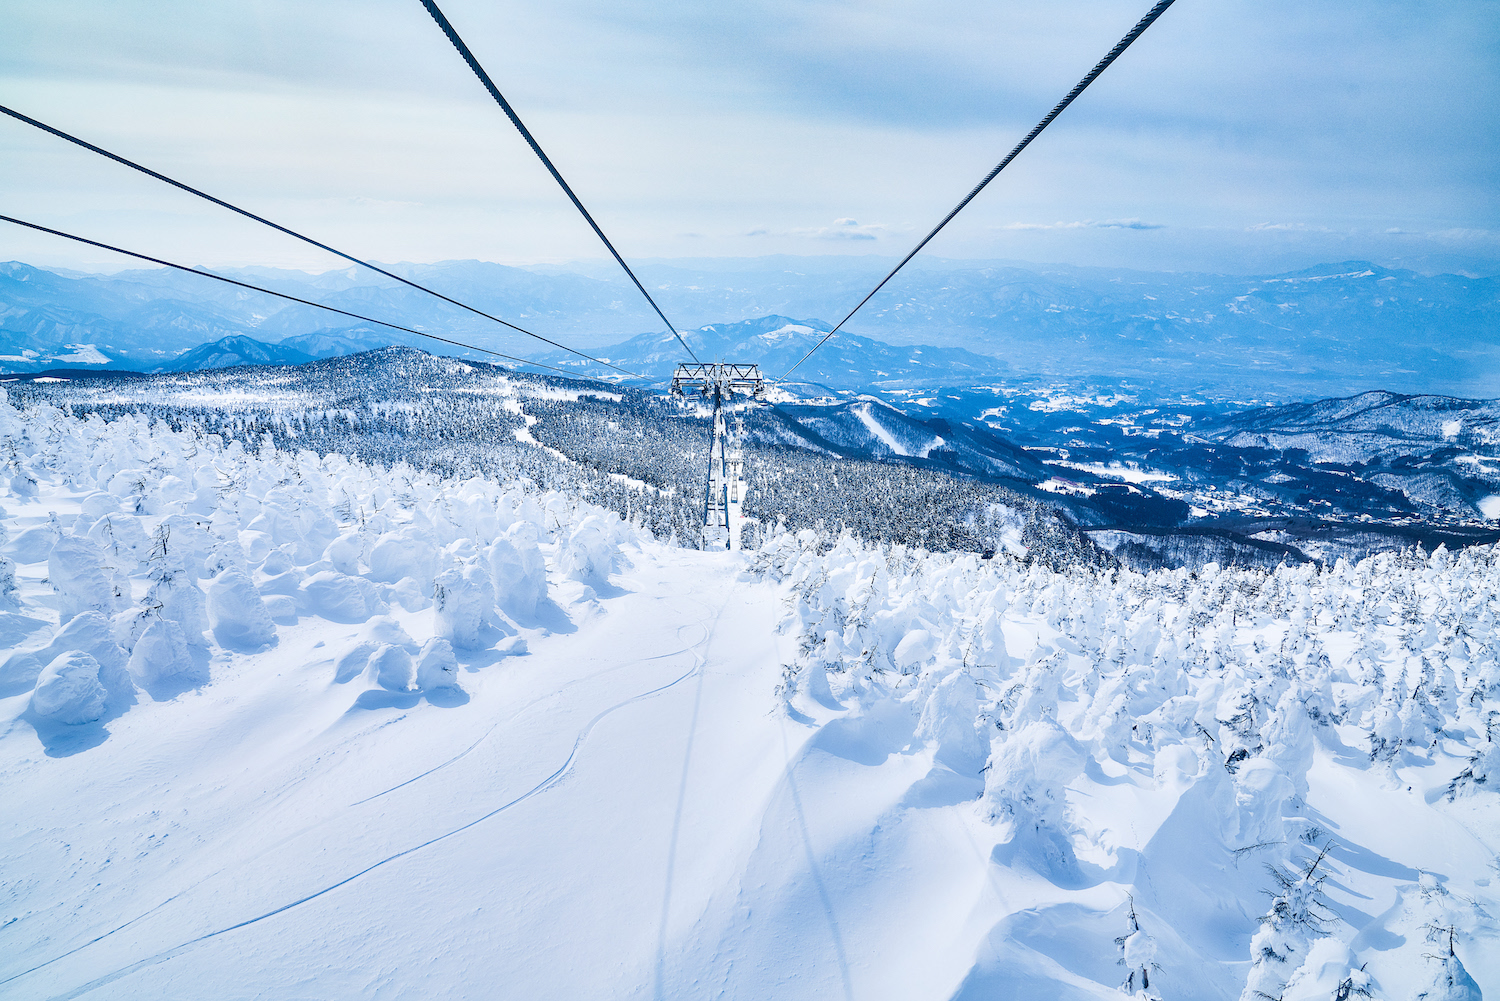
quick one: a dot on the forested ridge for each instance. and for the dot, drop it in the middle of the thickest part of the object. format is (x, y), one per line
(642, 454)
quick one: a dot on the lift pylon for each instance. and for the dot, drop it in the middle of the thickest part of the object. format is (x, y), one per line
(724, 495)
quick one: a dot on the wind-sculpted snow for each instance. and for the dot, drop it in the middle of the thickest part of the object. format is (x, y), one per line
(143, 557)
(68, 689)
(1289, 777)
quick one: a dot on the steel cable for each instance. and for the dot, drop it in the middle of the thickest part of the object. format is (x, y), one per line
(489, 85)
(293, 298)
(1100, 67)
(293, 233)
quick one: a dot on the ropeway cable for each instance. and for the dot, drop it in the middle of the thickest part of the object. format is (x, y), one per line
(293, 298)
(1100, 67)
(293, 233)
(489, 85)
(280, 295)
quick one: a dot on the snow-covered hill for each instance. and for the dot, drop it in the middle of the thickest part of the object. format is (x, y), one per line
(231, 351)
(1191, 477)
(642, 454)
(1434, 449)
(282, 725)
(869, 428)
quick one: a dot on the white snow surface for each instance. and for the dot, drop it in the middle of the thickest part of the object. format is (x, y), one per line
(368, 733)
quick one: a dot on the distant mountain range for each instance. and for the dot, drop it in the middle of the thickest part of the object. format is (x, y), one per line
(777, 343)
(1330, 330)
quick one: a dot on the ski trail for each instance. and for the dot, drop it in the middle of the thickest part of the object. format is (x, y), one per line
(542, 786)
(879, 430)
(687, 758)
(817, 878)
(310, 827)
(545, 784)
(100, 938)
(486, 735)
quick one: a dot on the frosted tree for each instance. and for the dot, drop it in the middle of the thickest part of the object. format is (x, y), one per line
(1447, 979)
(1025, 789)
(1299, 911)
(1358, 984)
(1138, 956)
(1244, 714)
(8, 600)
(1482, 767)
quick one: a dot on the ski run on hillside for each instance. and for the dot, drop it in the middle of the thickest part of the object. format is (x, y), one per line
(281, 725)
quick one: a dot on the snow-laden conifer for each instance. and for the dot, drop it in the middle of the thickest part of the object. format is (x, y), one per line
(1299, 912)
(1138, 956)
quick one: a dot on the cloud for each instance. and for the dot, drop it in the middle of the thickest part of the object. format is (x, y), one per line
(1286, 227)
(841, 229)
(1127, 224)
(1221, 116)
(1087, 224)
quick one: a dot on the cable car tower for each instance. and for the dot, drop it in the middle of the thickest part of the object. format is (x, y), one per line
(725, 493)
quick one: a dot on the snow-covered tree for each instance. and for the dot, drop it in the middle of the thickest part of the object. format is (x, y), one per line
(1138, 956)
(1298, 913)
(1447, 980)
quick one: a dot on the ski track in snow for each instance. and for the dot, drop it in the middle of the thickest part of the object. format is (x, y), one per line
(682, 791)
(829, 917)
(488, 733)
(547, 783)
(551, 781)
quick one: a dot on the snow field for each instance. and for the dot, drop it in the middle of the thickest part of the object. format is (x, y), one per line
(1193, 741)
(277, 726)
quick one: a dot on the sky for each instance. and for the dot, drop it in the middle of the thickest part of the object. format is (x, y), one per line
(1234, 136)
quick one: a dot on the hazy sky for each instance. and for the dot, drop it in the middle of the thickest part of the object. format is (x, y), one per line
(1233, 136)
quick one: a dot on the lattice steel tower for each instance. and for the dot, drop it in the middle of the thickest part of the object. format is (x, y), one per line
(724, 494)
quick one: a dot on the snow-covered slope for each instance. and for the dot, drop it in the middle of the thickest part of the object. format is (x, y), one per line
(1166, 755)
(870, 428)
(1437, 450)
(640, 454)
(282, 726)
